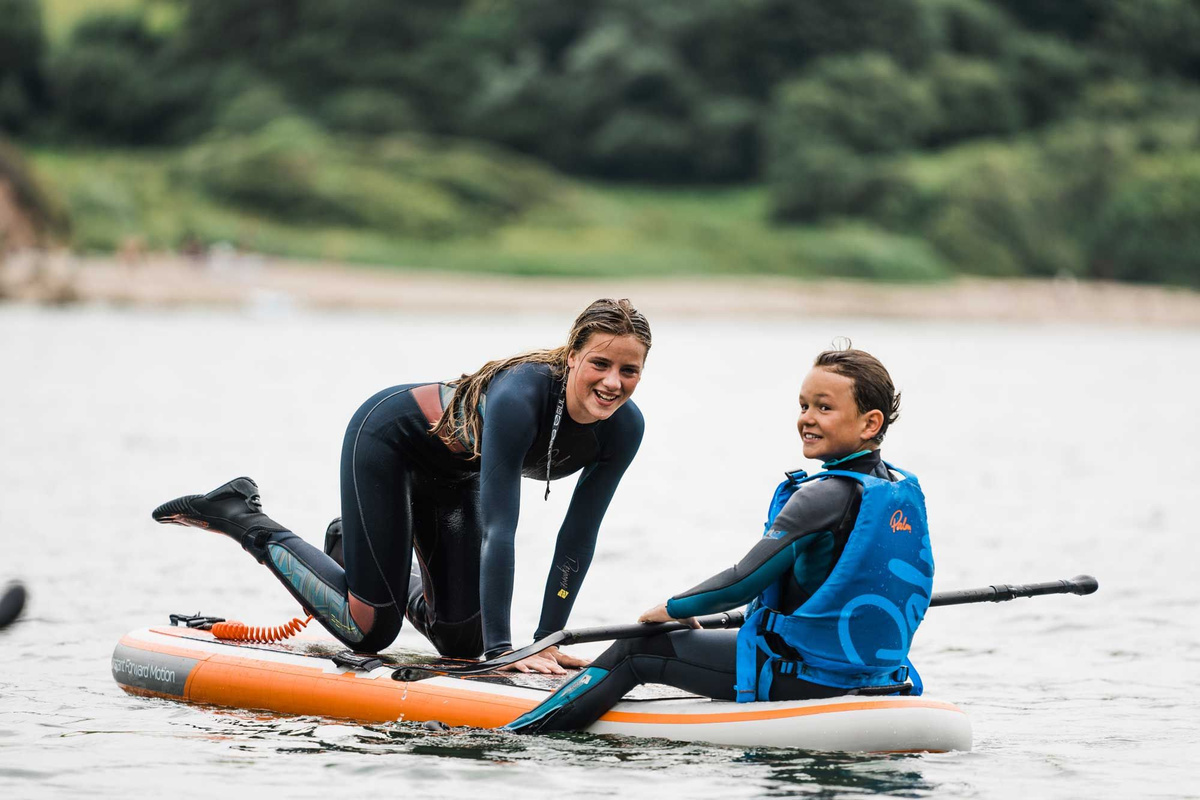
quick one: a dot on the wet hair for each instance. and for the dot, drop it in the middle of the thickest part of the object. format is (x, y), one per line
(461, 418)
(873, 388)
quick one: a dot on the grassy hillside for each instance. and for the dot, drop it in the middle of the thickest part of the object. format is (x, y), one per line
(573, 228)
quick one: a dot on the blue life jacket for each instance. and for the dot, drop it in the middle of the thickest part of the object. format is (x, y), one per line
(855, 630)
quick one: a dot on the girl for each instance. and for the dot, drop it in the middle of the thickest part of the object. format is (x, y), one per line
(840, 580)
(434, 469)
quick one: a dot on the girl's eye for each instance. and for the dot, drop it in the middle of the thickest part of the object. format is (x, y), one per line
(630, 372)
(825, 408)
(599, 364)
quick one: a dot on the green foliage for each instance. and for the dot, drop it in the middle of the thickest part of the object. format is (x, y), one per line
(21, 50)
(116, 82)
(1000, 131)
(971, 27)
(868, 253)
(974, 99)
(1048, 75)
(253, 108)
(819, 28)
(816, 180)
(1147, 231)
(1076, 19)
(370, 112)
(1001, 219)
(865, 103)
(1163, 34)
(291, 170)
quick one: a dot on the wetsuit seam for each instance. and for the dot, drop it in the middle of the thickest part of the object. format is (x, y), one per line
(358, 496)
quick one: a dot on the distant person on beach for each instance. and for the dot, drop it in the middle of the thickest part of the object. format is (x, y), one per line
(434, 469)
(12, 601)
(839, 581)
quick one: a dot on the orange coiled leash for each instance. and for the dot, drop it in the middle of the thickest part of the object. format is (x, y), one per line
(241, 632)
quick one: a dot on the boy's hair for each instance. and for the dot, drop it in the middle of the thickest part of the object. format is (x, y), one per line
(873, 388)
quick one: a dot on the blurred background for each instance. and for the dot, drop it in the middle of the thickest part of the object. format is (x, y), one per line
(914, 140)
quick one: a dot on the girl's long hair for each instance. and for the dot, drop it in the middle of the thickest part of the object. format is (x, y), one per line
(461, 419)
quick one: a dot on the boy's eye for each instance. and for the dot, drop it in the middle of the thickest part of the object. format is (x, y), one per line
(825, 408)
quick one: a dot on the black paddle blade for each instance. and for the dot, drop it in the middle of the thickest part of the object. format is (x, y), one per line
(12, 600)
(1084, 584)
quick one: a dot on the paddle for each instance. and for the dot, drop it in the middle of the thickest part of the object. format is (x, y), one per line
(12, 600)
(1080, 584)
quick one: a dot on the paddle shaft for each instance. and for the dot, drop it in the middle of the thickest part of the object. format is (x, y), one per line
(1080, 584)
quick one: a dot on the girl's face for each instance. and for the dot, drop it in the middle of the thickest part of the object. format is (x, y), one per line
(830, 424)
(603, 374)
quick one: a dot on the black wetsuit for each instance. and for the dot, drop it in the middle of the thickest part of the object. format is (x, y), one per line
(406, 491)
(802, 546)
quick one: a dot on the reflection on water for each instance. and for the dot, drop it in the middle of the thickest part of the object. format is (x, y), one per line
(1044, 452)
(828, 775)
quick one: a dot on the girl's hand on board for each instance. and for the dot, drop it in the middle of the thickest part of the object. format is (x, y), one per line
(538, 662)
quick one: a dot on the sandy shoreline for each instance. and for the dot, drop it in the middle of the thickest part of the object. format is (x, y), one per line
(235, 280)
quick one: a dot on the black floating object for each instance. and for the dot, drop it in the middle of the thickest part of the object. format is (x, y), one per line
(435, 726)
(11, 603)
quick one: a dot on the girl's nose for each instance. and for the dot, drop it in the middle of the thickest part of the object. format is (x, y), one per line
(612, 379)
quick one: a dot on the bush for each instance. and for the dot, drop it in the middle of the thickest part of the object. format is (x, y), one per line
(640, 145)
(494, 184)
(974, 99)
(113, 82)
(816, 180)
(971, 27)
(726, 140)
(371, 112)
(292, 171)
(253, 109)
(817, 28)
(1164, 34)
(1075, 19)
(865, 103)
(1002, 213)
(1147, 231)
(850, 250)
(1049, 75)
(21, 39)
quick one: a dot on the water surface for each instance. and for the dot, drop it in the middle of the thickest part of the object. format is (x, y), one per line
(1044, 452)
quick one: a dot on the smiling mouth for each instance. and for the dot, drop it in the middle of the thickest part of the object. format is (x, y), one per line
(607, 398)
(809, 437)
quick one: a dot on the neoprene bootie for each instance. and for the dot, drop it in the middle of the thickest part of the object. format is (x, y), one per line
(233, 509)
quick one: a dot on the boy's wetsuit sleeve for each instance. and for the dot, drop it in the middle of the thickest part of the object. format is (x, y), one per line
(515, 401)
(801, 539)
(577, 536)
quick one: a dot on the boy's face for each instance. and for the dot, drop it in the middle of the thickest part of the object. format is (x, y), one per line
(830, 424)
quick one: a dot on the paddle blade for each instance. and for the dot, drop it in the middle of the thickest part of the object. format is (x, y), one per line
(1084, 584)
